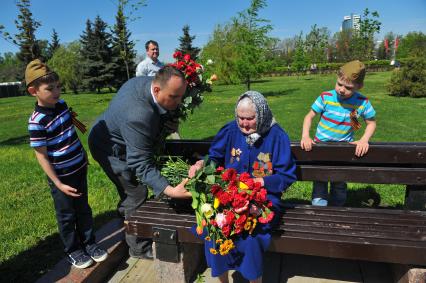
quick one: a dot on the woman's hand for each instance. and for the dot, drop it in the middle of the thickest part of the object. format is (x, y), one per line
(179, 191)
(260, 180)
(194, 168)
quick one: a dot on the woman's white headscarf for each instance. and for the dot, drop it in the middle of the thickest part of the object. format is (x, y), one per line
(264, 118)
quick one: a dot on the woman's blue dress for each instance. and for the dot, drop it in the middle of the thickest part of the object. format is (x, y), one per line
(270, 157)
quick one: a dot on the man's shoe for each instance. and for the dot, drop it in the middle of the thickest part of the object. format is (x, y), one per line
(146, 255)
(96, 253)
(79, 259)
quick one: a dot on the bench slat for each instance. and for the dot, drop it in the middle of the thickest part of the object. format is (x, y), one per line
(404, 237)
(372, 175)
(415, 217)
(335, 221)
(317, 244)
(144, 228)
(389, 153)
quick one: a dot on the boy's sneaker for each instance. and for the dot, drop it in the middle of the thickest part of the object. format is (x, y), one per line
(319, 202)
(79, 259)
(96, 253)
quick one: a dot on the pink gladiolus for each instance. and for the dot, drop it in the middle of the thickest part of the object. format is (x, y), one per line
(220, 220)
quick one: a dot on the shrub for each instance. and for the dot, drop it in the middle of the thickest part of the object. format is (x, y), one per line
(410, 80)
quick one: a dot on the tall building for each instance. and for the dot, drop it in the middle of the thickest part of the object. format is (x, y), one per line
(351, 22)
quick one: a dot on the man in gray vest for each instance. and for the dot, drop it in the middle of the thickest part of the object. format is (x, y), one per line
(124, 138)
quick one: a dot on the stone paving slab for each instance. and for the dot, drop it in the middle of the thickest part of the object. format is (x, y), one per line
(136, 270)
(297, 269)
(111, 238)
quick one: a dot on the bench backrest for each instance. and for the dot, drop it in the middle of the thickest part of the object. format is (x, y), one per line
(385, 163)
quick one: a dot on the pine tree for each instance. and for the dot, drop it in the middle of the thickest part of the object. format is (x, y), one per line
(185, 45)
(96, 51)
(27, 26)
(53, 45)
(86, 40)
(123, 53)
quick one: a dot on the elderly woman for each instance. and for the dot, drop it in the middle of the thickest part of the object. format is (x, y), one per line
(256, 144)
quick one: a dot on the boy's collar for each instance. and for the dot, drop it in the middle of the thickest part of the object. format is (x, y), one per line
(45, 110)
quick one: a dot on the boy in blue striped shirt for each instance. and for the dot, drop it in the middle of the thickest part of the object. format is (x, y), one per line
(339, 111)
(62, 157)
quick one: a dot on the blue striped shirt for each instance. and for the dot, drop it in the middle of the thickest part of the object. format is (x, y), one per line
(53, 128)
(335, 122)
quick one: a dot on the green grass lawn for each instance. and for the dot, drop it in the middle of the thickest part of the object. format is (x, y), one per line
(29, 242)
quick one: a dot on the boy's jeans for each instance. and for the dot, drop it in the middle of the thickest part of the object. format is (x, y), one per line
(337, 192)
(74, 215)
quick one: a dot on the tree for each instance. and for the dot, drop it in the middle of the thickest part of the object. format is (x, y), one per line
(40, 49)
(316, 42)
(10, 67)
(299, 60)
(287, 48)
(124, 55)
(221, 51)
(27, 26)
(275, 57)
(251, 42)
(53, 45)
(185, 45)
(362, 41)
(66, 61)
(413, 44)
(129, 13)
(25, 39)
(96, 51)
(341, 47)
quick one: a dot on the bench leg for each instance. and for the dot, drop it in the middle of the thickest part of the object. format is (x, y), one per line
(408, 274)
(191, 259)
(415, 197)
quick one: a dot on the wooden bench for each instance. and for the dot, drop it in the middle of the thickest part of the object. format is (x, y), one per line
(381, 235)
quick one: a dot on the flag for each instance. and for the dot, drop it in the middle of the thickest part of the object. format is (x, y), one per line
(396, 43)
(386, 44)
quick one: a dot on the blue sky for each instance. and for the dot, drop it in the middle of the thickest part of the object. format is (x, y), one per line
(163, 20)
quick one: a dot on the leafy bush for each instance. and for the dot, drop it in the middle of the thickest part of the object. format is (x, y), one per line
(410, 80)
(333, 67)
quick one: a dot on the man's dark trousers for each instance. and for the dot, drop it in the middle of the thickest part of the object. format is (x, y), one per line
(132, 193)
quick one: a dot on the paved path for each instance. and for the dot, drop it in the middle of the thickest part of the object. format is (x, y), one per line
(298, 269)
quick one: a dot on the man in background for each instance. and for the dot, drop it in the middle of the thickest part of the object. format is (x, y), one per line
(150, 65)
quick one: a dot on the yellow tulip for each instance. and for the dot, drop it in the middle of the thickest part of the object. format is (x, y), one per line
(242, 186)
(216, 203)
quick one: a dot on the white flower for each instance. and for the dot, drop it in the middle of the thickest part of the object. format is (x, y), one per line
(209, 62)
(207, 210)
(200, 69)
